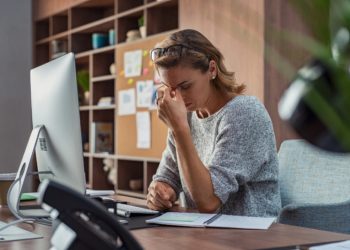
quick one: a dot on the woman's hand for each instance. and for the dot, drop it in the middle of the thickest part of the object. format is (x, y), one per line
(171, 108)
(160, 196)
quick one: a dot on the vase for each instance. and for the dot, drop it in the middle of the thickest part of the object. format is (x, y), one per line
(143, 31)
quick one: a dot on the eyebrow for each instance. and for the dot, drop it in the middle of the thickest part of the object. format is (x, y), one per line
(178, 85)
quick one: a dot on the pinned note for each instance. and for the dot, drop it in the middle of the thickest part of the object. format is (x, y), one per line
(143, 124)
(145, 71)
(144, 91)
(126, 102)
(132, 63)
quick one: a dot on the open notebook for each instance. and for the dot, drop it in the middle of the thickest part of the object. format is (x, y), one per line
(212, 220)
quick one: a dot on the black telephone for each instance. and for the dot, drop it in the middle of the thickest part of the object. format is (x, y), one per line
(82, 222)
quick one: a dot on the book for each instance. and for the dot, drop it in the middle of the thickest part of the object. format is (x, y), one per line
(212, 220)
(102, 137)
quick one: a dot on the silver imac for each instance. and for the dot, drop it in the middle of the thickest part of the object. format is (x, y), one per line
(56, 134)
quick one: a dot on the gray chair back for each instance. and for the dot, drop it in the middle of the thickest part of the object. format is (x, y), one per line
(311, 175)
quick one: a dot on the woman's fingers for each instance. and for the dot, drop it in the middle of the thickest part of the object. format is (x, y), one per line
(156, 203)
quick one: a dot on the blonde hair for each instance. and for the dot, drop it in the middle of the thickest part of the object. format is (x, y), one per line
(197, 53)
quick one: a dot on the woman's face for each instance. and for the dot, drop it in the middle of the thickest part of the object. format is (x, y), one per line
(193, 85)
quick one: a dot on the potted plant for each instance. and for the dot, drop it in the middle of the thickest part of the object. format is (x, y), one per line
(84, 86)
(142, 27)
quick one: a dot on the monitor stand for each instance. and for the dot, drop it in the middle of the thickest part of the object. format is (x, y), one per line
(15, 190)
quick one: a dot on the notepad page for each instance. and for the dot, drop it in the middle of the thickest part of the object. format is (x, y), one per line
(244, 222)
(181, 219)
(15, 233)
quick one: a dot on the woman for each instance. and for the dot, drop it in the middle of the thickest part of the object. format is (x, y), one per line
(221, 150)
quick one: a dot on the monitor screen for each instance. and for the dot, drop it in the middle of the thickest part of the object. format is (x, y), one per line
(55, 105)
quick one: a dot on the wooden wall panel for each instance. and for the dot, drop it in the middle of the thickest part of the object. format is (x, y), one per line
(281, 15)
(242, 29)
(236, 27)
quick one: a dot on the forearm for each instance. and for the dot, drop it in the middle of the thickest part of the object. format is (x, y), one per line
(196, 175)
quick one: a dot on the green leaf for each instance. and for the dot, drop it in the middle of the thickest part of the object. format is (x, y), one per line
(83, 79)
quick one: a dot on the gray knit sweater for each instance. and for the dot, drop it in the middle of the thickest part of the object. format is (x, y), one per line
(237, 145)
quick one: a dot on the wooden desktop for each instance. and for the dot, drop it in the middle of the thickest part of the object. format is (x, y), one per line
(278, 235)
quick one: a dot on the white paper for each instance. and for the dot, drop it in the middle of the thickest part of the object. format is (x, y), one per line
(133, 63)
(144, 92)
(181, 219)
(333, 246)
(143, 125)
(222, 221)
(126, 102)
(154, 97)
(245, 222)
(16, 233)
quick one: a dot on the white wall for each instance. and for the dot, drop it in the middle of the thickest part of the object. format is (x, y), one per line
(15, 63)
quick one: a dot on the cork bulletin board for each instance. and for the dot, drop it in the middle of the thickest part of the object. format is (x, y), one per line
(126, 136)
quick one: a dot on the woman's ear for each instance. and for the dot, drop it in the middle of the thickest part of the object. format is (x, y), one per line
(212, 69)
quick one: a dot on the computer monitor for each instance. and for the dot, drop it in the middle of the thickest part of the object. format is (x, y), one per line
(55, 105)
(56, 128)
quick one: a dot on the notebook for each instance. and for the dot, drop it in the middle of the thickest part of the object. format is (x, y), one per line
(212, 220)
(16, 233)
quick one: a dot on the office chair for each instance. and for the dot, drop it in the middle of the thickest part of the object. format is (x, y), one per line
(315, 187)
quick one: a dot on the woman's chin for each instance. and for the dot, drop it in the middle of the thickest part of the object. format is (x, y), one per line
(189, 107)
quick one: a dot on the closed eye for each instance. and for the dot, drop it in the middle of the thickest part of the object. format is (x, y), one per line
(185, 86)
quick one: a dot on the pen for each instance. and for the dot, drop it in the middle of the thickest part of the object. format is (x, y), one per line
(207, 222)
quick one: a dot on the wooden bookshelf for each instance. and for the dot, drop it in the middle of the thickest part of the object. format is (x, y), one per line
(72, 23)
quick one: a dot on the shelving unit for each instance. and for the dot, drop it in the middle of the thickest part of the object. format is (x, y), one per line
(74, 26)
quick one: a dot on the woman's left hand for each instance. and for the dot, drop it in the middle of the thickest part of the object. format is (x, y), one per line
(171, 109)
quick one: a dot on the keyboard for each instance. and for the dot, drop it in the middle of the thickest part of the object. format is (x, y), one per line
(128, 210)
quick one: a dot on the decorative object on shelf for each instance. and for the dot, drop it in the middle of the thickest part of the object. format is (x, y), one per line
(112, 69)
(83, 86)
(111, 37)
(105, 101)
(142, 27)
(132, 35)
(102, 137)
(86, 146)
(135, 184)
(58, 48)
(108, 166)
(99, 40)
(85, 140)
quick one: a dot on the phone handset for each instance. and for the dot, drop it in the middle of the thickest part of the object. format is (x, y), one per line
(88, 224)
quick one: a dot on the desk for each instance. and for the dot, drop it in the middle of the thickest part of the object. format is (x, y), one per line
(277, 235)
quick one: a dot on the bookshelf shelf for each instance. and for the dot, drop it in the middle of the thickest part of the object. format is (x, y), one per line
(84, 108)
(103, 107)
(75, 25)
(103, 78)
